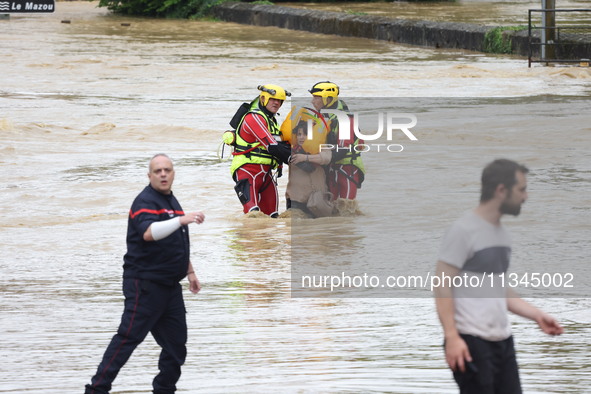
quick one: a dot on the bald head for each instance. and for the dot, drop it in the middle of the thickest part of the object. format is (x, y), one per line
(161, 173)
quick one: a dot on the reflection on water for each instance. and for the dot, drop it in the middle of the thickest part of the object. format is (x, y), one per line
(83, 107)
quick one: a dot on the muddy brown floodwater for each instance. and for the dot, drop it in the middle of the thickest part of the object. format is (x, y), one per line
(84, 105)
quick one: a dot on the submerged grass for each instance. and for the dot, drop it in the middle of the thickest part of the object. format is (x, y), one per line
(497, 42)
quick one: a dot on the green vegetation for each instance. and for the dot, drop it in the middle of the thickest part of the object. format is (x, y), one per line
(187, 8)
(496, 42)
(159, 8)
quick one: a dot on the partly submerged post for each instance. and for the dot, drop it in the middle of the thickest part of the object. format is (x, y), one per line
(548, 30)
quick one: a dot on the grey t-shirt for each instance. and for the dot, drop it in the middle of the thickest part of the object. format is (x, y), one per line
(481, 250)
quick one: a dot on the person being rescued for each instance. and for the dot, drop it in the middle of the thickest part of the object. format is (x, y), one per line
(258, 151)
(346, 172)
(307, 172)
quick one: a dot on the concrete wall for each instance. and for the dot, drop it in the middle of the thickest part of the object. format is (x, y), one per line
(423, 33)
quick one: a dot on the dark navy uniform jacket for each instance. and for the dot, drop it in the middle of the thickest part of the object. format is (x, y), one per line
(165, 261)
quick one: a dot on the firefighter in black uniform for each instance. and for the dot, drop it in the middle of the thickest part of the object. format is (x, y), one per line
(157, 259)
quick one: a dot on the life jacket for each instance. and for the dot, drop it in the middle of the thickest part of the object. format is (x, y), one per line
(254, 152)
(353, 157)
(320, 128)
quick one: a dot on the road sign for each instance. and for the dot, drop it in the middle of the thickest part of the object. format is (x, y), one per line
(22, 6)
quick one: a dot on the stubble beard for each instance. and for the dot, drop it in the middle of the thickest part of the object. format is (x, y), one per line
(508, 209)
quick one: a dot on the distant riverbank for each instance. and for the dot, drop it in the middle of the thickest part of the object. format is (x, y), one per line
(513, 40)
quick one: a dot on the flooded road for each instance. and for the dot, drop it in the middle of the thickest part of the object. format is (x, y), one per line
(85, 104)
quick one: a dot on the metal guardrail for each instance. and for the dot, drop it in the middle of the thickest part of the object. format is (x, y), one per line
(572, 39)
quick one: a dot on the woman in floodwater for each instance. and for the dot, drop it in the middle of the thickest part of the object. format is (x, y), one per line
(307, 173)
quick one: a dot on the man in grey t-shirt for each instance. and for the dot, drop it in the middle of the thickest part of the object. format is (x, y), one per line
(478, 343)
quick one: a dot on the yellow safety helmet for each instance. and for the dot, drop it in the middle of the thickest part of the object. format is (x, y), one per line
(272, 91)
(327, 90)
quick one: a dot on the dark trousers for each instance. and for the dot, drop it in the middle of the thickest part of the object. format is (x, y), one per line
(494, 368)
(149, 307)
